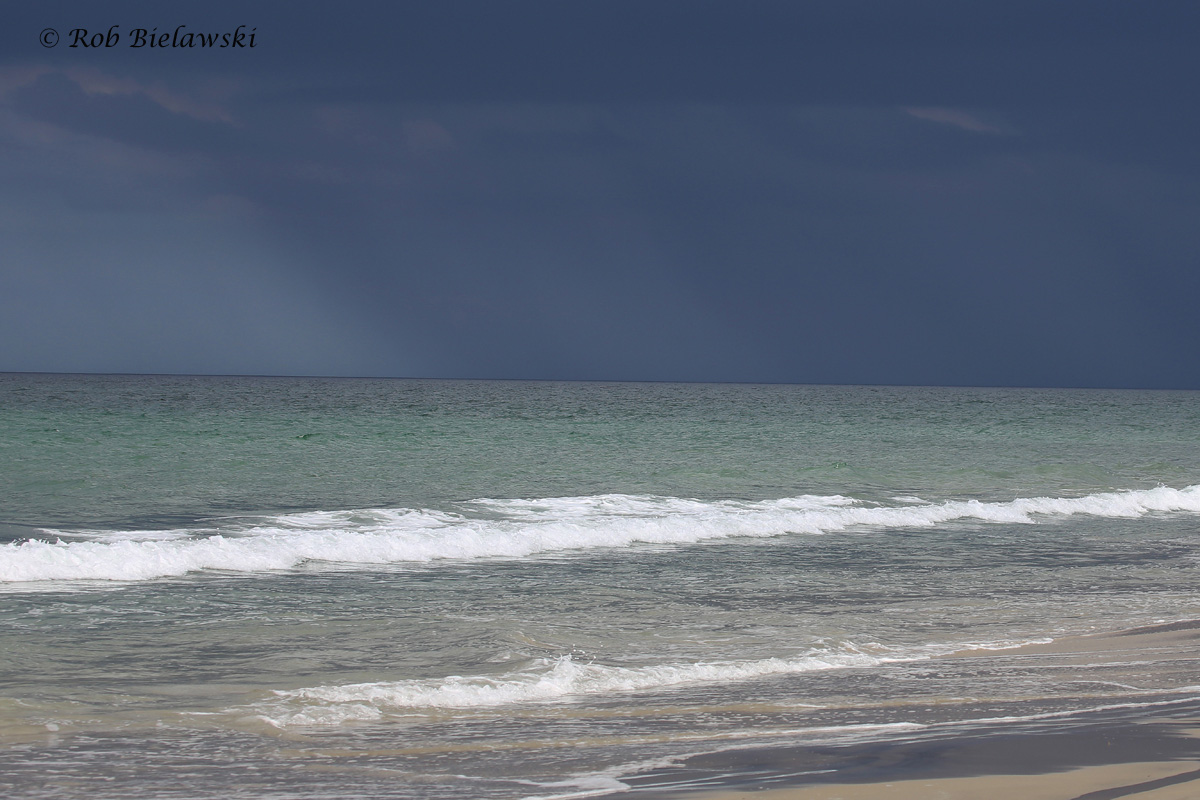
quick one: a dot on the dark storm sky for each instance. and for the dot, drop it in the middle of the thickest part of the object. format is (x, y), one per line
(840, 192)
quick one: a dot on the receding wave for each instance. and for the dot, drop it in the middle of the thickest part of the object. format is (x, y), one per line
(561, 679)
(516, 528)
(545, 680)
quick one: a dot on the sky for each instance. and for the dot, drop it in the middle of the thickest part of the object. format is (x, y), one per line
(921, 193)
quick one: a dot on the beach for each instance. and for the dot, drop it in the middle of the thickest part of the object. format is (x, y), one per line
(1150, 752)
(316, 588)
(650, 399)
(1149, 757)
(1151, 780)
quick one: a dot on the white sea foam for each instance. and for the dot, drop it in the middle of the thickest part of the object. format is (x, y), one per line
(545, 680)
(516, 528)
(562, 679)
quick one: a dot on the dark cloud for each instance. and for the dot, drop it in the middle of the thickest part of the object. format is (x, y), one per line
(133, 117)
(834, 192)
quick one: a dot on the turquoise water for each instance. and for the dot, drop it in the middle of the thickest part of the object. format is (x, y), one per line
(225, 587)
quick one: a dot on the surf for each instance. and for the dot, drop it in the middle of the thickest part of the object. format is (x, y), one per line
(517, 528)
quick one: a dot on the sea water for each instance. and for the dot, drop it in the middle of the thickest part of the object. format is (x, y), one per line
(268, 587)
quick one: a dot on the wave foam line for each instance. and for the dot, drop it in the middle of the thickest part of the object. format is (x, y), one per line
(546, 680)
(562, 678)
(516, 528)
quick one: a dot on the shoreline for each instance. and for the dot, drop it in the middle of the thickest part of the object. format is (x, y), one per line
(1141, 752)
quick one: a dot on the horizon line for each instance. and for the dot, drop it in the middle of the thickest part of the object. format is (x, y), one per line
(594, 380)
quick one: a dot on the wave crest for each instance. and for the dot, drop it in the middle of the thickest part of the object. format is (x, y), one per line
(562, 679)
(517, 528)
(546, 680)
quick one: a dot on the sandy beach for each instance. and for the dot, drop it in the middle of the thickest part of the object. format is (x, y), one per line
(1141, 781)
(1148, 752)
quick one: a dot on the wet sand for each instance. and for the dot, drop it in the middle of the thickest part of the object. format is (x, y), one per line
(1123, 751)
(1145, 781)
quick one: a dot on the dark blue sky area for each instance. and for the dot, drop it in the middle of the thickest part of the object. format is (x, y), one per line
(843, 192)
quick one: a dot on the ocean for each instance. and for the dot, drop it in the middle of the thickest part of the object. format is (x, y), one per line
(234, 587)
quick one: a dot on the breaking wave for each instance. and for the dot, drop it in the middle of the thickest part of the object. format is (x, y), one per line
(516, 528)
(563, 678)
